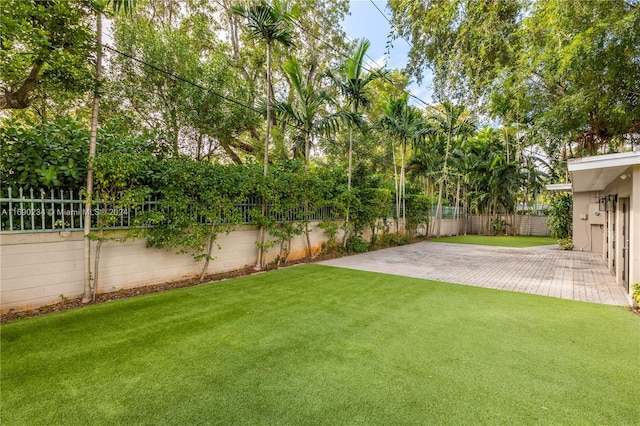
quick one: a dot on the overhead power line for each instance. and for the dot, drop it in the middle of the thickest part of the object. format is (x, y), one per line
(391, 23)
(180, 78)
(326, 43)
(206, 89)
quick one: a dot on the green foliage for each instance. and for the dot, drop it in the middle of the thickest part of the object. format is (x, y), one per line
(418, 210)
(560, 222)
(567, 67)
(389, 239)
(355, 244)
(196, 201)
(43, 155)
(188, 118)
(369, 199)
(636, 294)
(45, 51)
(565, 243)
(123, 174)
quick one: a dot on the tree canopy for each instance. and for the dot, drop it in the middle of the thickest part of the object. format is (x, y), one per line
(568, 67)
(210, 89)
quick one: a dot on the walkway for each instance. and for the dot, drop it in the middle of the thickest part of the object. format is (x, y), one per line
(543, 270)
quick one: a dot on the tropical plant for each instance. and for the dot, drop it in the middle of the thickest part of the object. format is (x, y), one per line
(270, 23)
(44, 155)
(351, 80)
(636, 294)
(126, 6)
(197, 201)
(307, 112)
(560, 222)
(404, 124)
(452, 123)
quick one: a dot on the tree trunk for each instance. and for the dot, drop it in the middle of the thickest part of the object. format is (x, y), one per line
(402, 185)
(396, 182)
(457, 209)
(439, 207)
(86, 297)
(346, 225)
(265, 170)
(441, 186)
(212, 239)
(96, 268)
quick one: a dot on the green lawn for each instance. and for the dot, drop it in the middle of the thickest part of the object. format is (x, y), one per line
(519, 241)
(319, 345)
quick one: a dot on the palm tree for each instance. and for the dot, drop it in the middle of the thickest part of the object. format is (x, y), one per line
(452, 122)
(351, 81)
(117, 5)
(404, 124)
(306, 111)
(306, 114)
(272, 24)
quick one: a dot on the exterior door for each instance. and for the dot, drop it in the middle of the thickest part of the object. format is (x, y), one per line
(624, 240)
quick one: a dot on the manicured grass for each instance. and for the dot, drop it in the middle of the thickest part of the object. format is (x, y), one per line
(319, 345)
(519, 241)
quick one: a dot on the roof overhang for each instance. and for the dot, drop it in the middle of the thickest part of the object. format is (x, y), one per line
(595, 173)
(559, 187)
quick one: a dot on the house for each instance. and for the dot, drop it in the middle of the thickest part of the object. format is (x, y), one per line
(606, 212)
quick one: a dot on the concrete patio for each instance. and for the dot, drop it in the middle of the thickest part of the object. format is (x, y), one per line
(542, 270)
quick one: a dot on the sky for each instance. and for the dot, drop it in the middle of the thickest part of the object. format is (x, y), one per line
(365, 21)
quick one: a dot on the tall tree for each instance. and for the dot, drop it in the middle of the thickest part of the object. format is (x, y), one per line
(568, 67)
(45, 49)
(308, 114)
(352, 81)
(405, 124)
(452, 123)
(126, 6)
(270, 23)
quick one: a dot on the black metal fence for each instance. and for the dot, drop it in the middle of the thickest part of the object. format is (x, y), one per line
(58, 210)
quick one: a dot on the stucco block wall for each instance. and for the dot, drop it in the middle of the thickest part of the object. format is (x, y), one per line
(36, 269)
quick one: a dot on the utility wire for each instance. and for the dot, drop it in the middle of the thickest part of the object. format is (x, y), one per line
(392, 26)
(249, 107)
(411, 95)
(199, 86)
(180, 78)
(391, 23)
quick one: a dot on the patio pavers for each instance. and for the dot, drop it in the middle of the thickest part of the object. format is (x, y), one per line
(542, 270)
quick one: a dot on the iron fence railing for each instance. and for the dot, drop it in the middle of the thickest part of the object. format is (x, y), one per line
(53, 211)
(59, 210)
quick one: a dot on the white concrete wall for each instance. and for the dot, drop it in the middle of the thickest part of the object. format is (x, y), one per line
(583, 217)
(39, 268)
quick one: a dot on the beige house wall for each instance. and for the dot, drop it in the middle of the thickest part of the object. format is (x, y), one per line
(601, 231)
(634, 243)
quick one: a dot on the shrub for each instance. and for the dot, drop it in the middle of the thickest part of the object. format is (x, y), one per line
(355, 244)
(636, 294)
(566, 243)
(560, 222)
(391, 240)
